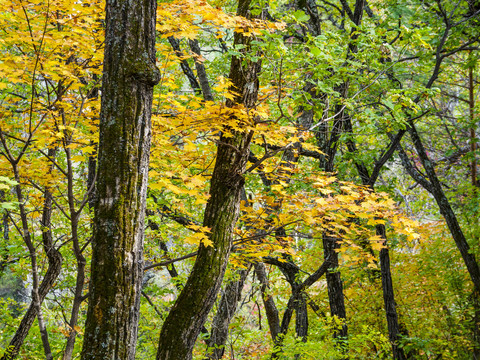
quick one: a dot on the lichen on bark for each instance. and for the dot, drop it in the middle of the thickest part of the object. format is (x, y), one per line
(125, 129)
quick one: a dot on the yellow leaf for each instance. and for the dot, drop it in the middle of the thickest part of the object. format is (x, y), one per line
(88, 149)
(198, 238)
(197, 181)
(78, 158)
(173, 188)
(200, 201)
(156, 186)
(377, 245)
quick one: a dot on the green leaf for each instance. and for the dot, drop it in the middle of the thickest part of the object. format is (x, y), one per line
(7, 181)
(8, 205)
(300, 16)
(315, 51)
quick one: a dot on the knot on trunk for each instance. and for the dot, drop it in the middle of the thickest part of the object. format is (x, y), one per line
(144, 70)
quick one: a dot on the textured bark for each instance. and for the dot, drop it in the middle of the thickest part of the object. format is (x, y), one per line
(334, 280)
(198, 85)
(185, 320)
(394, 330)
(125, 129)
(187, 70)
(328, 145)
(201, 72)
(226, 310)
(297, 302)
(333, 277)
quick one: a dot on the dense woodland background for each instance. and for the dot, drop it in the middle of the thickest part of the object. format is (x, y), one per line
(342, 134)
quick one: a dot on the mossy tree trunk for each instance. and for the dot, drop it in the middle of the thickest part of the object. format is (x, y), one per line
(125, 129)
(191, 309)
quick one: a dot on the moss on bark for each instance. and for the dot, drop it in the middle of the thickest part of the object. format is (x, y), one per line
(190, 311)
(125, 131)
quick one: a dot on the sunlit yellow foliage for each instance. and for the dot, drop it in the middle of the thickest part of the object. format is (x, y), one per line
(47, 101)
(187, 18)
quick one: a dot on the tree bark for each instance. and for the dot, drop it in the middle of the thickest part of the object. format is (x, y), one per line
(445, 208)
(335, 285)
(125, 129)
(226, 310)
(201, 72)
(191, 309)
(270, 307)
(297, 302)
(394, 332)
(187, 70)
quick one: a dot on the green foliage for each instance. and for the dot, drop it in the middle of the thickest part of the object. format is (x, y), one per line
(380, 73)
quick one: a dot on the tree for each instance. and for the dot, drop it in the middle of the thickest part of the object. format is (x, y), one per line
(184, 321)
(122, 178)
(44, 118)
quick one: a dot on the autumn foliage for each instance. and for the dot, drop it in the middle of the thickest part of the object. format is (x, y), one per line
(341, 95)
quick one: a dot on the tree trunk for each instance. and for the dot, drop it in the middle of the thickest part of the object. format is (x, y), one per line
(226, 310)
(188, 315)
(445, 209)
(125, 129)
(270, 307)
(297, 302)
(394, 332)
(335, 285)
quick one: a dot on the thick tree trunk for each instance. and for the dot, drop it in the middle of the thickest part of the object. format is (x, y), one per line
(125, 130)
(191, 309)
